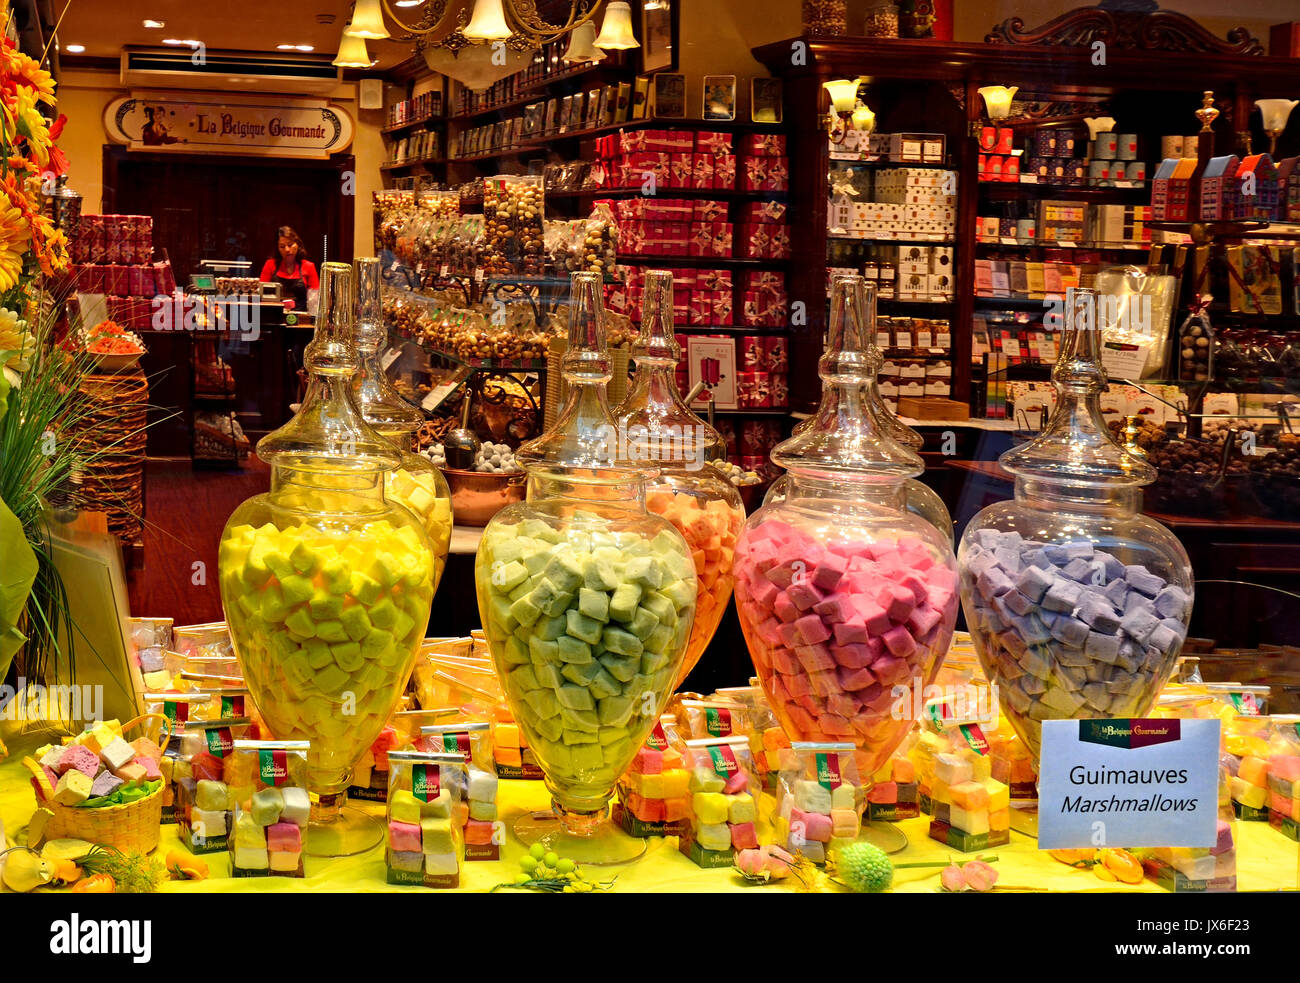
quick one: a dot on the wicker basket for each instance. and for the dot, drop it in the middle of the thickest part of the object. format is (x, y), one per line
(134, 826)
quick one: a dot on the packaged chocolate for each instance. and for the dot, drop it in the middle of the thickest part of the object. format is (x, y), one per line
(268, 783)
(724, 800)
(424, 842)
(820, 799)
(201, 780)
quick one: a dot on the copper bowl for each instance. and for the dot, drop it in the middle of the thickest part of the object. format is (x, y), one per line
(476, 496)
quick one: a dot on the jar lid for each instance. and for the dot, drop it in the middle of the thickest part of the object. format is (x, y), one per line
(844, 438)
(1076, 446)
(328, 433)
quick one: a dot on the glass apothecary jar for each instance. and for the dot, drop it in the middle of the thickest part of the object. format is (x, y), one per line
(415, 483)
(587, 601)
(920, 498)
(660, 431)
(326, 585)
(1077, 603)
(846, 599)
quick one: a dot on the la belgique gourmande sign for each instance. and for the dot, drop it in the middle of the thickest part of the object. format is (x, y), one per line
(199, 123)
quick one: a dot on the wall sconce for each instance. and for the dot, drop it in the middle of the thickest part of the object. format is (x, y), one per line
(863, 119)
(997, 100)
(844, 98)
(1275, 112)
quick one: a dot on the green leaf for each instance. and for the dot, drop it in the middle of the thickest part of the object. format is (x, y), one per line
(17, 573)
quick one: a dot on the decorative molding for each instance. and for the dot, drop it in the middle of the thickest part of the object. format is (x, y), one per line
(958, 92)
(1161, 30)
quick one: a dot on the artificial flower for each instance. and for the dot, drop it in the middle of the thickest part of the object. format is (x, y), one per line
(978, 875)
(15, 337)
(20, 69)
(29, 123)
(15, 234)
(95, 884)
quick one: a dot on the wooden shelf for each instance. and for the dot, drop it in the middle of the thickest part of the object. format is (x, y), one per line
(1081, 246)
(1026, 190)
(705, 194)
(412, 124)
(729, 329)
(499, 108)
(419, 162)
(700, 262)
(855, 158)
(875, 237)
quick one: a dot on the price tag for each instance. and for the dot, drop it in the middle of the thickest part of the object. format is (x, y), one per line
(478, 274)
(882, 339)
(431, 401)
(1122, 361)
(1009, 240)
(1066, 243)
(1128, 782)
(390, 357)
(1028, 178)
(903, 339)
(445, 269)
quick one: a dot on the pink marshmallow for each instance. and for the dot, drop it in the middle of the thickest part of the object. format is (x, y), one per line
(790, 635)
(824, 684)
(849, 549)
(802, 723)
(897, 601)
(804, 595)
(890, 669)
(850, 632)
(798, 684)
(785, 661)
(829, 572)
(1223, 842)
(873, 616)
(853, 656)
(854, 679)
(744, 836)
(834, 724)
(842, 704)
(784, 609)
(404, 837)
(811, 629)
(78, 757)
(287, 837)
(815, 658)
(648, 761)
(920, 590)
(941, 578)
(764, 593)
(923, 619)
(1285, 766)
(899, 640)
(770, 631)
(737, 782)
(835, 608)
(811, 825)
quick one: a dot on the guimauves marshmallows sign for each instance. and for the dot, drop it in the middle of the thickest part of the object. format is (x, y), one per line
(1128, 783)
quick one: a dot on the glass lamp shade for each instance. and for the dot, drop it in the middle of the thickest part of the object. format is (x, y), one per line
(997, 99)
(367, 21)
(1275, 112)
(582, 44)
(616, 29)
(843, 93)
(864, 120)
(352, 53)
(488, 22)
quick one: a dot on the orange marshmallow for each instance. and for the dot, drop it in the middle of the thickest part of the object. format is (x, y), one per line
(1254, 771)
(511, 757)
(971, 796)
(507, 734)
(999, 820)
(904, 771)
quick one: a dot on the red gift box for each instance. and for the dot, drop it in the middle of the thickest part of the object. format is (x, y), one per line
(755, 173)
(759, 241)
(780, 244)
(753, 389)
(776, 355)
(721, 300)
(777, 177)
(699, 308)
(702, 171)
(713, 142)
(683, 169)
(766, 144)
(751, 353)
(780, 389)
(707, 210)
(724, 172)
(713, 279)
(765, 281)
(710, 239)
(764, 212)
(763, 310)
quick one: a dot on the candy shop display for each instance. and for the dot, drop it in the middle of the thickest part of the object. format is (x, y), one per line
(1284, 775)
(845, 598)
(971, 808)
(724, 801)
(820, 799)
(664, 433)
(513, 208)
(766, 739)
(370, 773)
(203, 775)
(895, 793)
(713, 718)
(426, 824)
(325, 584)
(473, 742)
(416, 483)
(587, 600)
(654, 792)
(1077, 603)
(268, 788)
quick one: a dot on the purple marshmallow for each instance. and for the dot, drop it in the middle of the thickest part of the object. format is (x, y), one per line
(1143, 580)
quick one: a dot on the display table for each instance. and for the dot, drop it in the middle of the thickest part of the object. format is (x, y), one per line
(1266, 860)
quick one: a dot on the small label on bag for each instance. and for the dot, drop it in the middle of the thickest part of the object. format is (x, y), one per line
(828, 771)
(1245, 703)
(219, 741)
(657, 739)
(426, 782)
(456, 742)
(717, 721)
(724, 761)
(272, 767)
(176, 712)
(232, 706)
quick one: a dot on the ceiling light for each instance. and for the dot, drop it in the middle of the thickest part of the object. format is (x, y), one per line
(294, 47)
(409, 3)
(616, 29)
(186, 42)
(367, 21)
(75, 49)
(154, 25)
(352, 53)
(488, 22)
(306, 47)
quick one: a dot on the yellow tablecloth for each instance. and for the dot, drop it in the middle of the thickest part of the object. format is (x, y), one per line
(1266, 860)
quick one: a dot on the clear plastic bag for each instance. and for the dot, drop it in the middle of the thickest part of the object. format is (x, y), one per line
(424, 842)
(724, 801)
(1136, 308)
(1284, 775)
(268, 782)
(654, 793)
(482, 832)
(200, 762)
(714, 718)
(820, 799)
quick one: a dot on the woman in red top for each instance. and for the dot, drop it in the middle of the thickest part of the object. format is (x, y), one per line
(295, 273)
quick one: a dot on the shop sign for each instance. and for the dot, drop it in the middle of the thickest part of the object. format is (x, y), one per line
(220, 123)
(1128, 783)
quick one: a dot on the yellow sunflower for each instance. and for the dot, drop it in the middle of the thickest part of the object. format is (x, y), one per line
(15, 234)
(26, 71)
(49, 244)
(15, 337)
(29, 122)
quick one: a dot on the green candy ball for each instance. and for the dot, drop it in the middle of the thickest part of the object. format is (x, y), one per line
(865, 868)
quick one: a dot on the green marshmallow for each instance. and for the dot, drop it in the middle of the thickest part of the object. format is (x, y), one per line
(385, 570)
(574, 650)
(564, 570)
(599, 574)
(577, 738)
(524, 678)
(338, 578)
(278, 564)
(499, 614)
(551, 628)
(376, 641)
(549, 675)
(705, 779)
(297, 589)
(660, 606)
(300, 623)
(612, 735)
(318, 653)
(375, 677)
(324, 605)
(541, 702)
(643, 623)
(581, 675)
(575, 698)
(535, 562)
(584, 720)
(680, 592)
(402, 627)
(365, 589)
(507, 576)
(538, 529)
(616, 711)
(347, 655)
(560, 757)
(256, 572)
(644, 570)
(515, 652)
(524, 611)
(331, 631)
(248, 601)
(273, 607)
(659, 640)
(620, 641)
(542, 651)
(557, 605)
(384, 614)
(523, 590)
(621, 667)
(580, 626)
(297, 668)
(652, 662)
(587, 757)
(304, 559)
(593, 604)
(507, 550)
(331, 679)
(550, 728)
(604, 685)
(622, 606)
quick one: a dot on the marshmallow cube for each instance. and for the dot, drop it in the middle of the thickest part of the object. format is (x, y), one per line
(404, 807)
(710, 808)
(411, 861)
(482, 785)
(117, 753)
(79, 758)
(812, 796)
(284, 838)
(438, 835)
(253, 858)
(714, 836)
(441, 864)
(297, 806)
(212, 796)
(73, 788)
(285, 861)
(741, 809)
(404, 837)
(105, 783)
(952, 770)
(268, 805)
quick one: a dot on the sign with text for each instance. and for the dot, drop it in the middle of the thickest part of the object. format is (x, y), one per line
(221, 123)
(1128, 783)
